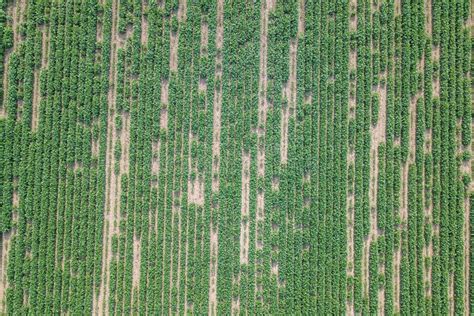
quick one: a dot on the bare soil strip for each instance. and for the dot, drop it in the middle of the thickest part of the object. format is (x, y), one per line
(466, 169)
(112, 213)
(196, 191)
(155, 161)
(377, 137)
(44, 46)
(435, 54)
(404, 196)
(198, 184)
(165, 102)
(244, 223)
(261, 131)
(351, 164)
(398, 7)
(36, 74)
(144, 30)
(289, 94)
(428, 18)
(15, 10)
(216, 139)
(173, 51)
(397, 258)
(467, 245)
(36, 101)
(137, 246)
(99, 37)
(6, 243)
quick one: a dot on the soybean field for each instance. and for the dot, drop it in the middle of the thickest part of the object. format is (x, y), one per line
(225, 157)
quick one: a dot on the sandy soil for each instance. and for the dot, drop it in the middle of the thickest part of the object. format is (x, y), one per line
(350, 200)
(15, 10)
(173, 51)
(467, 261)
(213, 273)
(262, 111)
(398, 7)
(289, 93)
(436, 87)
(428, 18)
(350, 231)
(144, 30)
(244, 223)
(203, 51)
(404, 195)
(182, 8)
(435, 55)
(466, 168)
(36, 101)
(377, 137)
(301, 18)
(216, 139)
(353, 18)
(397, 258)
(16, 196)
(137, 246)
(36, 75)
(111, 215)
(44, 46)
(155, 162)
(196, 191)
(99, 37)
(164, 100)
(6, 243)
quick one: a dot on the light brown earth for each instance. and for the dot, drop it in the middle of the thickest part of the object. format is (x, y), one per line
(428, 17)
(467, 261)
(137, 246)
(213, 273)
(350, 232)
(36, 101)
(397, 258)
(196, 191)
(99, 37)
(451, 295)
(466, 168)
(301, 18)
(144, 30)
(155, 161)
(216, 139)
(6, 243)
(125, 143)
(289, 94)
(350, 164)
(173, 51)
(182, 7)
(202, 88)
(36, 75)
(428, 211)
(16, 196)
(112, 211)
(15, 10)
(164, 126)
(164, 101)
(95, 148)
(435, 54)
(176, 221)
(404, 195)
(398, 7)
(244, 223)
(377, 138)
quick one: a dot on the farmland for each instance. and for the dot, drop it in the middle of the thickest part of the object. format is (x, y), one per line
(229, 157)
